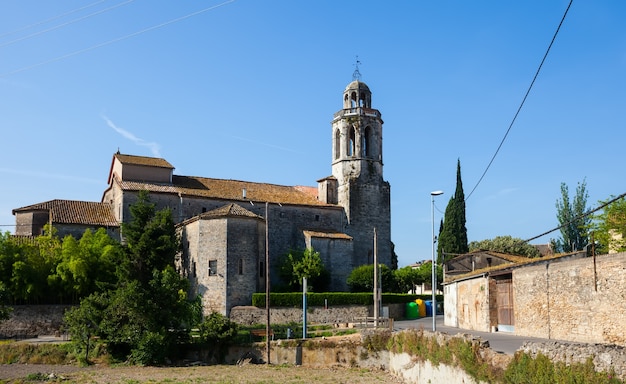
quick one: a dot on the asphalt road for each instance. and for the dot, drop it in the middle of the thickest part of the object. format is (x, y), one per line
(503, 342)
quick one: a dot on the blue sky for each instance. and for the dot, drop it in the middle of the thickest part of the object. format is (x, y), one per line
(246, 90)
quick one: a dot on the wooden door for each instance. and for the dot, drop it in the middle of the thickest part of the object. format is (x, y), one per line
(506, 316)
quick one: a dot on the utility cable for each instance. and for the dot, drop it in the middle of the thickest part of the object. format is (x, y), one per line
(49, 19)
(523, 100)
(589, 212)
(65, 24)
(59, 58)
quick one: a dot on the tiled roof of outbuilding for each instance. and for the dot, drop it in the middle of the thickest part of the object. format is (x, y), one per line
(229, 210)
(328, 235)
(75, 212)
(228, 190)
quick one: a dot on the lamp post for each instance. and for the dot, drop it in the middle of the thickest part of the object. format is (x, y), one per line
(434, 267)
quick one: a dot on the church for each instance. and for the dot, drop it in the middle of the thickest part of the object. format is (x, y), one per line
(228, 227)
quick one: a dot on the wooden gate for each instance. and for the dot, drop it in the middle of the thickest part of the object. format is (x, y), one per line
(506, 316)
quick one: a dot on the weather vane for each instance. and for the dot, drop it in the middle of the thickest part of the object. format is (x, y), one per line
(356, 75)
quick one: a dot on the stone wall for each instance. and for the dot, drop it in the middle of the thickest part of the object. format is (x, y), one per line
(576, 300)
(315, 315)
(33, 320)
(606, 358)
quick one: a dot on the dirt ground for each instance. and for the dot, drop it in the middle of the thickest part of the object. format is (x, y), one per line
(19, 373)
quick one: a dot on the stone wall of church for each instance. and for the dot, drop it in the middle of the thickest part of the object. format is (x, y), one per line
(246, 249)
(369, 209)
(206, 242)
(336, 254)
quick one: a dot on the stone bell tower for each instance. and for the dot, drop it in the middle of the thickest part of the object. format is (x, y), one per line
(357, 166)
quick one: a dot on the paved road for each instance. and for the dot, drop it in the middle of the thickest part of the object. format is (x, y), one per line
(498, 341)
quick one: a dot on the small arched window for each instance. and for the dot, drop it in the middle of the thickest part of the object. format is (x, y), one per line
(240, 267)
(367, 142)
(337, 144)
(351, 143)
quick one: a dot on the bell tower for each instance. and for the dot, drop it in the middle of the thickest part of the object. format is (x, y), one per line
(357, 166)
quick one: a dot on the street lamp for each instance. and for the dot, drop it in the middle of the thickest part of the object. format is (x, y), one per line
(434, 268)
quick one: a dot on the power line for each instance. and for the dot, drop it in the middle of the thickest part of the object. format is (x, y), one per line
(578, 217)
(65, 24)
(59, 58)
(49, 19)
(523, 100)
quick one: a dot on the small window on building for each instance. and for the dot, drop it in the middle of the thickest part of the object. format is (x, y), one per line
(240, 267)
(203, 209)
(193, 269)
(212, 267)
(317, 217)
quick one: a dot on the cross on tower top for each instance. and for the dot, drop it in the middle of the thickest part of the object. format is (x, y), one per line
(356, 75)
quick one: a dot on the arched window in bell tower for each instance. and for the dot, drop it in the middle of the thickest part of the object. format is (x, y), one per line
(367, 140)
(352, 142)
(353, 100)
(337, 144)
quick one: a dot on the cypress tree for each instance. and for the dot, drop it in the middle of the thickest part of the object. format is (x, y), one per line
(453, 235)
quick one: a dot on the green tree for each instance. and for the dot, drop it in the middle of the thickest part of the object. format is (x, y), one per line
(298, 264)
(5, 309)
(572, 219)
(453, 236)
(151, 240)
(609, 226)
(217, 331)
(505, 244)
(407, 278)
(136, 319)
(361, 279)
(87, 265)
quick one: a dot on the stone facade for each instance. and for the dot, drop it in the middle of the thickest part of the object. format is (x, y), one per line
(572, 298)
(578, 300)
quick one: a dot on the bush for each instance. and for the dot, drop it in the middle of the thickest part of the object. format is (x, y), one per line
(218, 331)
(294, 299)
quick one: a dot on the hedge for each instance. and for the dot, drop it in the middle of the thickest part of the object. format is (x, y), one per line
(294, 299)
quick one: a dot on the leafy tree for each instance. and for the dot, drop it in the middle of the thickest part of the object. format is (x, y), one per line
(9, 250)
(571, 215)
(151, 240)
(505, 244)
(87, 265)
(609, 226)
(150, 299)
(407, 278)
(298, 264)
(361, 279)
(32, 264)
(453, 236)
(5, 310)
(394, 257)
(217, 331)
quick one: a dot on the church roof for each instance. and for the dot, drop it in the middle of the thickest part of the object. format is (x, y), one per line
(356, 84)
(205, 187)
(230, 210)
(75, 212)
(142, 160)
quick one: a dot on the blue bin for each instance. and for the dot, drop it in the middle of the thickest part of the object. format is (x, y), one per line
(429, 307)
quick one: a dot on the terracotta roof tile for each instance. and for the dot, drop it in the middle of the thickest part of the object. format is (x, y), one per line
(229, 190)
(328, 235)
(230, 210)
(75, 212)
(141, 160)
